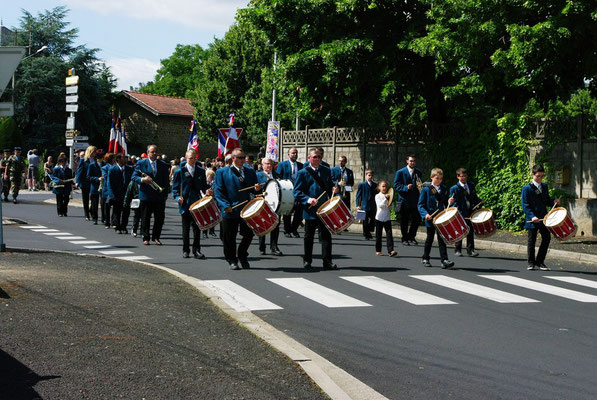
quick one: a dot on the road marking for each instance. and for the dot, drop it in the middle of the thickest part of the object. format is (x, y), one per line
(56, 233)
(392, 289)
(44, 230)
(474, 289)
(33, 226)
(70, 237)
(318, 293)
(114, 252)
(134, 258)
(542, 287)
(576, 281)
(85, 242)
(99, 246)
(238, 297)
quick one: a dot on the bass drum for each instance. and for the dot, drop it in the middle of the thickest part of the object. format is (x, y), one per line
(278, 194)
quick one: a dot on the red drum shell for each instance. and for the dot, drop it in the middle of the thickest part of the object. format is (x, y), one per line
(207, 215)
(263, 220)
(337, 216)
(485, 228)
(454, 229)
(565, 229)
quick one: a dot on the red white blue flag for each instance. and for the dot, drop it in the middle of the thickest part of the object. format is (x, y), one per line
(193, 138)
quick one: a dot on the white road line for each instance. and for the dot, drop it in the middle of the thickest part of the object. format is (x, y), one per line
(392, 289)
(44, 230)
(114, 252)
(33, 226)
(238, 297)
(99, 246)
(541, 287)
(574, 280)
(56, 233)
(134, 258)
(70, 237)
(85, 242)
(474, 289)
(318, 293)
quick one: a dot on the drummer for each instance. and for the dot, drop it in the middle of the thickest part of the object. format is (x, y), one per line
(313, 186)
(228, 182)
(288, 169)
(188, 183)
(434, 198)
(265, 174)
(466, 199)
(535, 200)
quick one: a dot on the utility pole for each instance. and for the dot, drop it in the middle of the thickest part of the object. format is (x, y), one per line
(274, 90)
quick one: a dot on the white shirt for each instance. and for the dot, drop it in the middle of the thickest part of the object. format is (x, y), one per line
(383, 212)
(293, 169)
(537, 185)
(410, 170)
(190, 169)
(438, 188)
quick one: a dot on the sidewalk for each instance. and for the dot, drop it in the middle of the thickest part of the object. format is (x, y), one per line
(102, 328)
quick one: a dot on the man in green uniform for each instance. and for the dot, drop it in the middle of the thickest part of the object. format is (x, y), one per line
(16, 168)
(3, 172)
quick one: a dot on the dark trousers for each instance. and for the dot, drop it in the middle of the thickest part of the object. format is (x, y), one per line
(273, 241)
(412, 216)
(470, 239)
(187, 223)
(85, 195)
(106, 211)
(116, 205)
(532, 240)
(443, 252)
(124, 221)
(326, 240)
(228, 230)
(387, 226)
(158, 209)
(136, 218)
(369, 224)
(293, 220)
(62, 203)
(5, 187)
(94, 205)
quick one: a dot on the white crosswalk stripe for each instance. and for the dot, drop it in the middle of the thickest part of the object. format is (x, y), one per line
(32, 226)
(56, 233)
(397, 291)
(70, 237)
(474, 289)
(45, 230)
(238, 297)
(99, 246)
(318, 293)
(85, 242)
(134, 258)
(542, 287)
(115, 252)
(574, 280)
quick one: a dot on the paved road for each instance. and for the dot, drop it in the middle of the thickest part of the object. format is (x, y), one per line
(487, 329)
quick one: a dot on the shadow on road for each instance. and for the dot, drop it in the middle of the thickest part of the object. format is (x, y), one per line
(17, 380)
(486, 270)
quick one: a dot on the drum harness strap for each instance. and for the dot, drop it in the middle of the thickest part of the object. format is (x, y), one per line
(317, 180)
(437, 197)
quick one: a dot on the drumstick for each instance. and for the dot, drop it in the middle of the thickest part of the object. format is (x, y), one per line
(435, 212)
(539, 220)
(320, 196)
(239, 204)
(475, 207)
(247, 188)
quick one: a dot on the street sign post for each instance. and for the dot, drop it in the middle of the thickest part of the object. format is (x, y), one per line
(72, 106)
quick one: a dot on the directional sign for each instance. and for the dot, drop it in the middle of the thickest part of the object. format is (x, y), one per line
(72, 99)
(80, 145)
(80, 138)
(69, 142)
(72, 80)
(72, 89)
(10, 57)
(70, 123)
(72, 107)
(7, 109)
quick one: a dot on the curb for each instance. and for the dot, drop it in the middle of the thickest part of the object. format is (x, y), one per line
(333, 380)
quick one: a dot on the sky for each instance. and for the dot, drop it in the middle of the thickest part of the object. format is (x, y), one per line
(134, 35)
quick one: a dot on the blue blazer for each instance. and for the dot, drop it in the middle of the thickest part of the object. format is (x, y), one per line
(408, 197)
(59, 174)
(305, 187)
(460, 198)
(105, 168)
(366, 196)
(117, 183)
(535, 204)
(262, 179)
(162, 178)
(226, 190)
(187, 186)
(81, 178)
(284, 169)
(428, 204)
(94, 172)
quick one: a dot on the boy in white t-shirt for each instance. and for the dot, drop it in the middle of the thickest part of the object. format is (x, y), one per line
(383, 220)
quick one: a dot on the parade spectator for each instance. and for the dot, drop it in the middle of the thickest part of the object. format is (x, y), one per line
(34, 161)
(48, 167)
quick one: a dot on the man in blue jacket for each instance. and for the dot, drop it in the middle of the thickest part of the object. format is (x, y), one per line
(366, 201)
(344, 178)
(152, 195)
(405, 183)
(81, 178)
(265, 174)
(289, 169)
(311, 184)
(60, 175)
(465, 197)
(229, 180)
(535, 200)
(119, 177)
(94, 175)
(188, 183)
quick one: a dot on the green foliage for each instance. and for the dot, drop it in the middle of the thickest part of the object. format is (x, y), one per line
(9, 134)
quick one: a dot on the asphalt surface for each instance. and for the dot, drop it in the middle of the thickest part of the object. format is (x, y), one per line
(75, 327)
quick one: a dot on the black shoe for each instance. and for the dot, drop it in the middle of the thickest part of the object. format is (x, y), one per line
(329, 265)
(234, 266)
(87, 219)
(296, 235)
(531, 267)
(14, 201)
(288, 235)
(213, 234)
(307, 265)
(95, 222)
(368, 237)
(117, 231)
(473, 254)
(426, 263)
(405, 243)
(125, 231)
(447, 264)
(107, 226)
(245, 264)
(544, 267)
(262, 252)
(185, 254)
(134, 234)
(458, 254)
(277, 252)
(414, 242)
(199, 255)
(204, 235)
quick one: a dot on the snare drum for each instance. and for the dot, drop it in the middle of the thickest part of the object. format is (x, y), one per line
(451, 225)
(278, 194)
(560, 224)
(335, 215)
(483, 222)
(206, 213)
(259, 216)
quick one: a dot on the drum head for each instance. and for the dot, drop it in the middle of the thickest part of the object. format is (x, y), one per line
(555, 216)
(252, 208)
(196, 205)
(446, 215)
(272, 194)
(329, 205)
(482, 215)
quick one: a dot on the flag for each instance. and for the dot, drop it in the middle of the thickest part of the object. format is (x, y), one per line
(119, 138)
(112, 140)
(124, 145)
(193, 139)
(222, 137)
(232, 142)
(231, 120)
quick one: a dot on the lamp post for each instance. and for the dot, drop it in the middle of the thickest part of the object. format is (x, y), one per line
(274, 89)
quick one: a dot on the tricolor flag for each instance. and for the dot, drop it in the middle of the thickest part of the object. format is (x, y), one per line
(232, 142)
(222, 137)
(117, 138)
(193, 139)
(112, 140)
